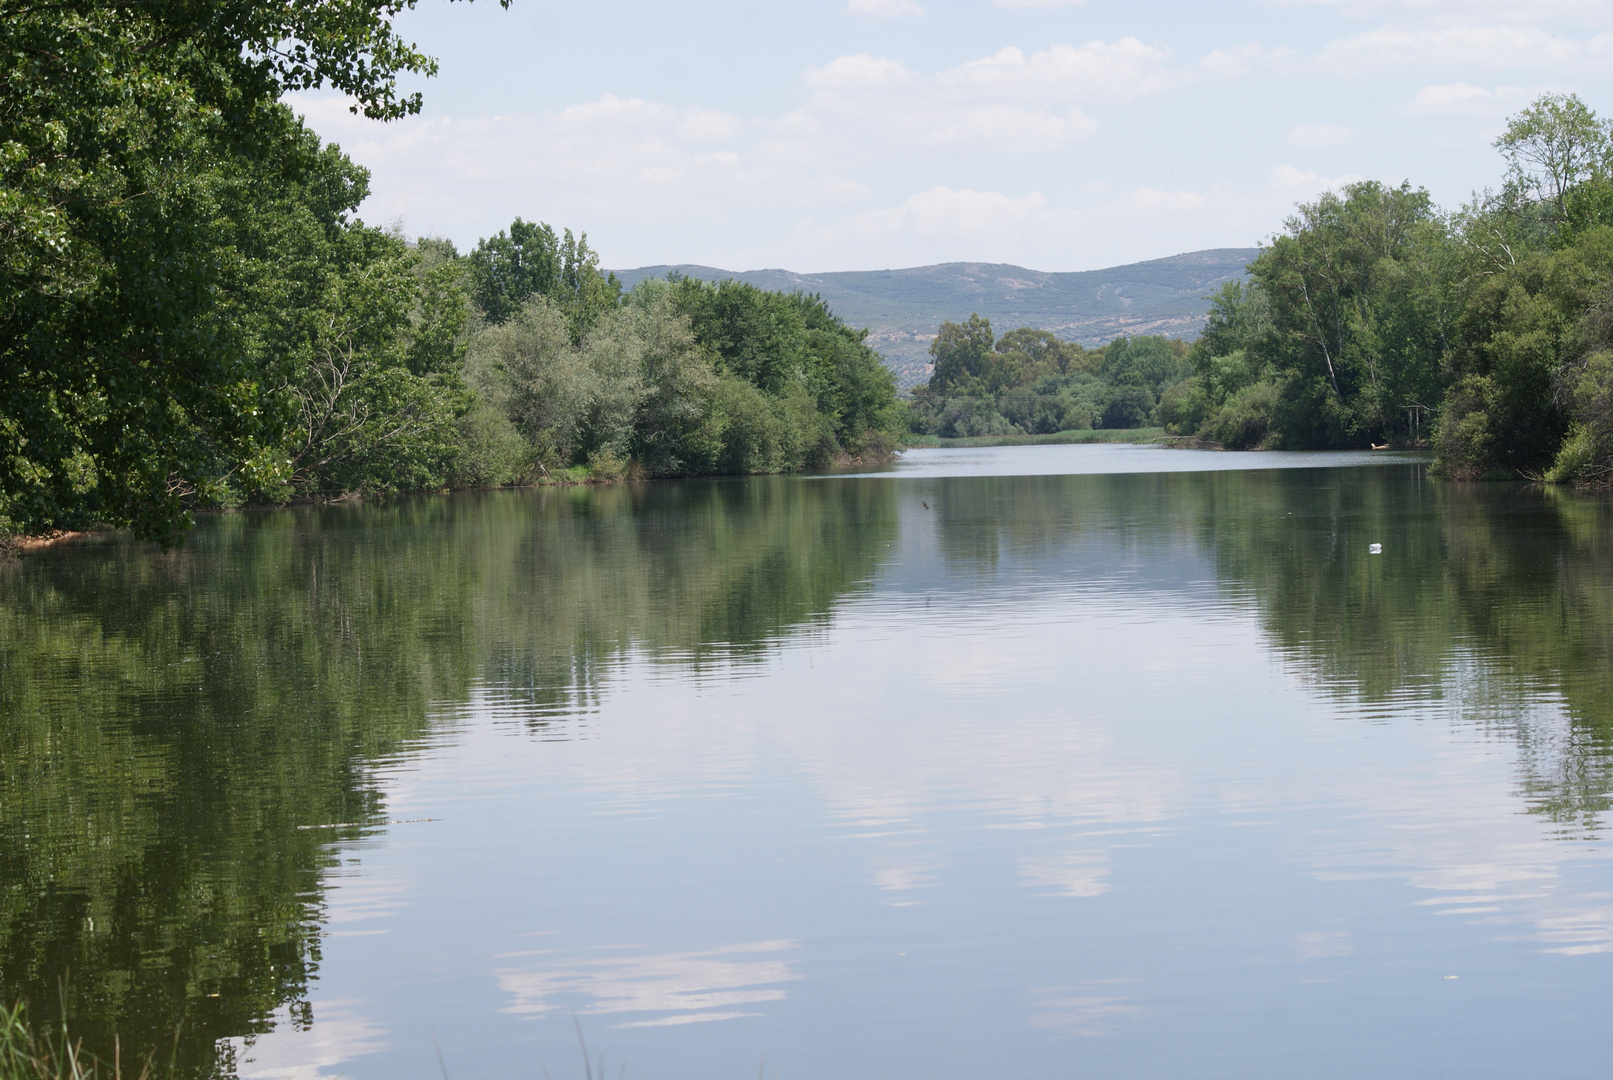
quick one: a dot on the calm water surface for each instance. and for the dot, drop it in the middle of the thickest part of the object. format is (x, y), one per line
(1050, 761)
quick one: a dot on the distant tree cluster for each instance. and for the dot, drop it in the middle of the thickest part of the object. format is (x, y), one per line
(1032, 382)
(1374, 319)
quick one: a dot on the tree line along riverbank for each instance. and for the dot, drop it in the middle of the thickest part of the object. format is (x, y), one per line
(1373, 319)
(194, 316)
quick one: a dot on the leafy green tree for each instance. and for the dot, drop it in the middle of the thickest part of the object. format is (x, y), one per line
(678, 432)
(509, 269)
(133, 140)
(961, 352)
(375, 378)
(1152, 363)
(783, 343)
(1358, 313)
(1042, 353)
(1528, 340)
(1551, 147)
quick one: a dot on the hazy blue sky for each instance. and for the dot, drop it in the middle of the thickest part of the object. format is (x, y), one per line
(1058, 134)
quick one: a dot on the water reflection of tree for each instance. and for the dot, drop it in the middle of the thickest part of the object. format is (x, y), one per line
(170, 720)
(1496, 598)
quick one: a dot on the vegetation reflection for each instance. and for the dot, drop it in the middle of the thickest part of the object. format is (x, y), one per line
(175, 720)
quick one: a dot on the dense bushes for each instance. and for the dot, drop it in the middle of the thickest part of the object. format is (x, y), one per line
(678, 377)
(371, 365)
(1031, 382)
(1485, 333)
(181, 291)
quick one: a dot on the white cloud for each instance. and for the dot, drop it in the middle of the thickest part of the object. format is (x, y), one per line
(1098, 70)
(942, 210)
(1007, 124)
(1299, 185)
(858, 70)
(708, 126)
(1151, 201)
(1576, 12)
(1449, 95)
(1319, 135)
(1241, 60)
(1465, 47)
(1464, 99)
(863, 107)
(943, 223)
(883, 9)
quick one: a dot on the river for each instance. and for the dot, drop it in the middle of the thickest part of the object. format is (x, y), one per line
(1097, 761)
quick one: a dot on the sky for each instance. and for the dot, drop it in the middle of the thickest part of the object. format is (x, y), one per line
(1060, 135)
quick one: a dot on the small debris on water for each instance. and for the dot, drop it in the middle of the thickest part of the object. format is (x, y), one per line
(363, 824)
(1375, 549)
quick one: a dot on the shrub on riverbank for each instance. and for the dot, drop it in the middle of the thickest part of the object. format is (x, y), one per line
(1376, 318)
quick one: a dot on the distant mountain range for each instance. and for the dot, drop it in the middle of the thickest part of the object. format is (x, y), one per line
(903, 309)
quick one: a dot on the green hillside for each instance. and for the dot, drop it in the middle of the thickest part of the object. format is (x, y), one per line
(904, 308)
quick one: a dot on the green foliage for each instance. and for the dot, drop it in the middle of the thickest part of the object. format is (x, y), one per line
(1551, 147)
(1359, 311)
(1146, 363)
(372, 372)
(793, 348)
(1032, 382)
(961, 352)
(1183, 407)
(529, 261)
(1585, 385)
(174, 719)
(145, 253)
(1376, 319)
(682, 378)
(1246, 419)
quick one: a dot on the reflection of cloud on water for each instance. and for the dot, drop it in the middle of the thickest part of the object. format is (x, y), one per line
(905, 878)
(350, 898)
(1321, 944)
(1577, 933)
(692, 987)
(288, 1052)
(1069, 1010)
(1443, 817)
(1074, 873)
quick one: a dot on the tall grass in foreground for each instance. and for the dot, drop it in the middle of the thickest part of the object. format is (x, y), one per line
(51, 1053)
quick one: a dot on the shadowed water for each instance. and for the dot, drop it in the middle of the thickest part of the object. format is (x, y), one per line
(996, 764)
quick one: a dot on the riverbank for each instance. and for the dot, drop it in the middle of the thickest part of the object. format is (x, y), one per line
(1057, 438)
(597, 473)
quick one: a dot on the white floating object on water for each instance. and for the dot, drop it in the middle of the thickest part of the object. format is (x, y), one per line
(1374, 549)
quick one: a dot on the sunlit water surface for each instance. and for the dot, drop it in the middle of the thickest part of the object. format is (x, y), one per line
(1050, 761)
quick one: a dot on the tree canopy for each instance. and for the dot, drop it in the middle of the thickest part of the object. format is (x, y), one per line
(154, 195)
(193, 316)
